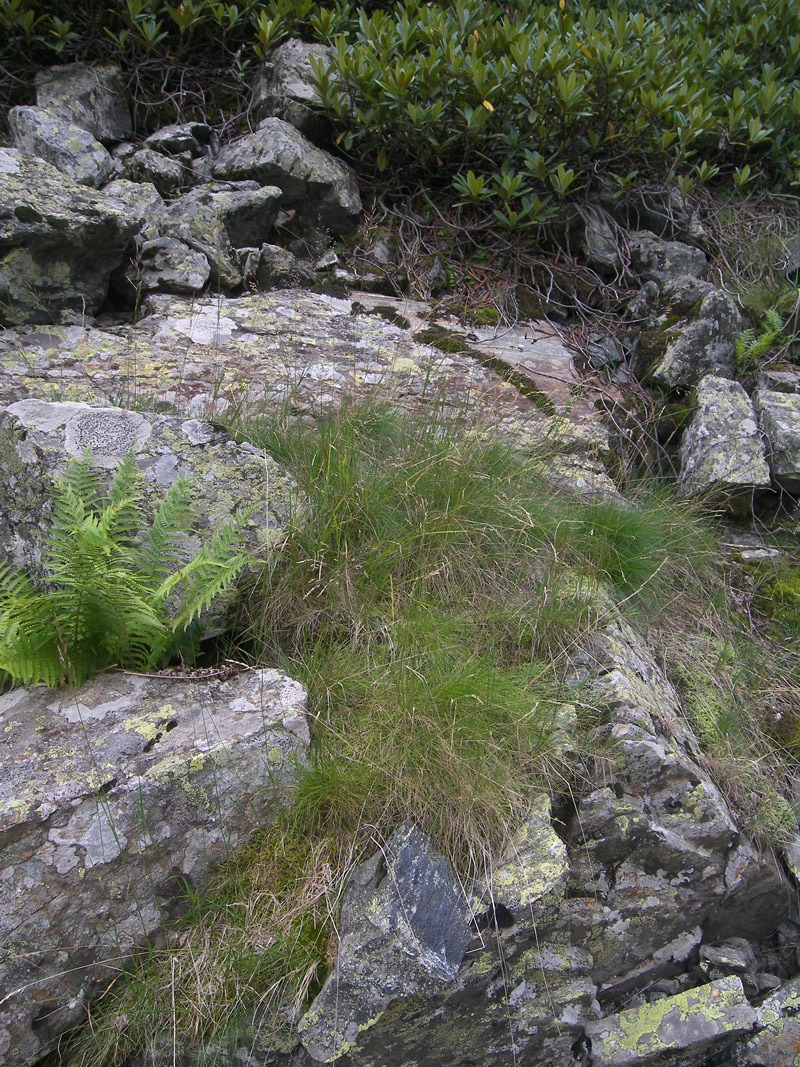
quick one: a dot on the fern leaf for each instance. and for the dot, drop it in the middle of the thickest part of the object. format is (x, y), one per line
(164, 549)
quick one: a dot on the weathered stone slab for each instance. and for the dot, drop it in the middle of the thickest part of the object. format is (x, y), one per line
(37, 440)
(68, 147)
(164, 265)
(683, 1028)
(779, 415)
(94, 98)
(723, 458)
(311, 180)
(654, 258)
(657, 853)
(196, 138)
(115, 801)
(140, 199)
(59, 242)
(169, 174)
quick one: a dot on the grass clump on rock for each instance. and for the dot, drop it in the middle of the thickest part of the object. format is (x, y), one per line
(429, 597)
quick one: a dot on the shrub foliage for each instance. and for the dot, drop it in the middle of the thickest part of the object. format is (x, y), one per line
(508, 107)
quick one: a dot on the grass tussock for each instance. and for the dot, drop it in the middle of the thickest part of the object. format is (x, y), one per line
(429, 596)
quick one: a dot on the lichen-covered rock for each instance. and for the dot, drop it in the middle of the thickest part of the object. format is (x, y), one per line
(68, 147)
(285, 88)
(115, 801)
(312, 181)
(169, 174)
(59, 242)
(528, 882)
(779, 416)
(404, 929)
(723, 457)
(93, 97)
(706, 344)
(37, 440)
(273, 267)
(778, 1043)
(196, 138)
(654, 258)
(217, 218)
(681, 1029)
(656, 852)
(140, 199)
(164, 265)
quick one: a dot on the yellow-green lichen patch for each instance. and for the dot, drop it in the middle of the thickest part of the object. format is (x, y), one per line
(686, 1021)
(536, 866)
(152, 723)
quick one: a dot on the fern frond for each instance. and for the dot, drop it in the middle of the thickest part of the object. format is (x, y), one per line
(164, 547)
(212, 571)
(122, 508)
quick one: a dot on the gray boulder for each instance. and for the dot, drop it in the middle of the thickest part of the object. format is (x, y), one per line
(273, 267)
(68, 147)
(683, 353)
(37, 440)
(115, 801)
(220, 217)
(404, 930)
(312, 181)
(163, 265)
(196, 138)
(778, 1041)
(169, 174)
(94, 98)
(59, 242)
(779, 416)
(723, 457)
(140, 199)
(601, 242)
(654, 258)
(285, 88)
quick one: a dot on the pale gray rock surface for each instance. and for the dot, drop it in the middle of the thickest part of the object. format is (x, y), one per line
(312, 181)
(219, 217)
(704, 344)
(59, 242)
(285, 87)
(68, 147)
(93, 97)
(723, 457)
(37, 440)
(404, 929)
(779, 415)
(115, 802)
